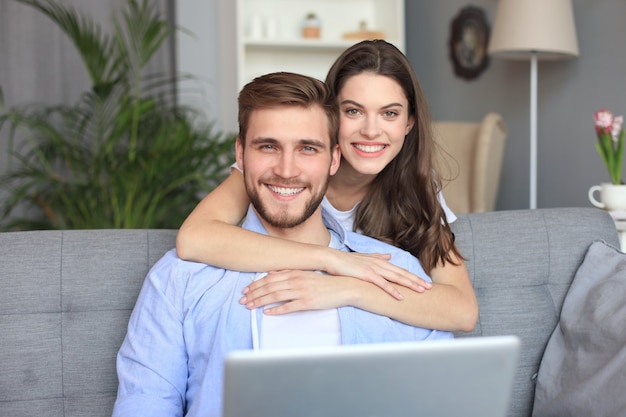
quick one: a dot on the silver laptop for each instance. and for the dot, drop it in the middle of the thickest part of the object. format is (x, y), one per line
(446, 378)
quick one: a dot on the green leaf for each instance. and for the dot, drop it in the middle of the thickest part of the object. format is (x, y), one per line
(125, 154)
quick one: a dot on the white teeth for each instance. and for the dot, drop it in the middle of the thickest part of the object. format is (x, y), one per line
(284, 191)
(369, 148)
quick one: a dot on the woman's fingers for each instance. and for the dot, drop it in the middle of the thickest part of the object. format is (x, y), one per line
(377, 269)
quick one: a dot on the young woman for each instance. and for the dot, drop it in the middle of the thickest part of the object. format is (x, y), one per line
(386, 187)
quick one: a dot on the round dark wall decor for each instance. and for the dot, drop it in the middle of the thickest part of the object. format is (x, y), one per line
(469, 36)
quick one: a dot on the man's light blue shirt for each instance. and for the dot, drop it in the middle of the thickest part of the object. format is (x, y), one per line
(188, 318)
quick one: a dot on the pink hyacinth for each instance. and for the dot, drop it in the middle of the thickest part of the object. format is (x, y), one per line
(604, 121)
(616, 127)
(610, 143)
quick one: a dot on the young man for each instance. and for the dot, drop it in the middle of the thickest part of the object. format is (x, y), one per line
(188, 316)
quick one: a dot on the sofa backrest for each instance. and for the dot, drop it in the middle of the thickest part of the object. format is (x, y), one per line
(66, 296)
(65, 300)
(521, 264)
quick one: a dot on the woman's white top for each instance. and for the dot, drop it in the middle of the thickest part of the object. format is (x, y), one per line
(347, 217)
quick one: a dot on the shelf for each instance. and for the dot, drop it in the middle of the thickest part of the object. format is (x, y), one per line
(296, 43)
(311, 44)
(269, 33)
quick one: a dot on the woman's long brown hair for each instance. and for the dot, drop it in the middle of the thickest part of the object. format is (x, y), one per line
(402, 205)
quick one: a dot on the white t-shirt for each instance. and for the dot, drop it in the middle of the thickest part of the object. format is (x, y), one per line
(347, 217)
(310, 328)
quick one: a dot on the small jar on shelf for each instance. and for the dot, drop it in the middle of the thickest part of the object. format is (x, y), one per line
(311, 26)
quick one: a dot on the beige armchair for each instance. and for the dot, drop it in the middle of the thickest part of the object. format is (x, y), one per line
(471, 161)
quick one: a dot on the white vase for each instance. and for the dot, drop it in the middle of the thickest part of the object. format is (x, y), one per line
(612, 197)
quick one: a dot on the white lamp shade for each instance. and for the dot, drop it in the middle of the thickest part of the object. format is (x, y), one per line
(543, 27)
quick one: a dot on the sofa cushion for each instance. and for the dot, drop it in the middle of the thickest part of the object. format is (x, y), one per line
(582, 370)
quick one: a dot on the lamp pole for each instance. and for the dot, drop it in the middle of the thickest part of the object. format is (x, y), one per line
(538, 29)
(533, 130)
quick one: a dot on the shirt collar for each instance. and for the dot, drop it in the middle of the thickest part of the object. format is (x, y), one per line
(253, 223)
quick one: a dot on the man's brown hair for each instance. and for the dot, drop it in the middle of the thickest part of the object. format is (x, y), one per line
(287, 89)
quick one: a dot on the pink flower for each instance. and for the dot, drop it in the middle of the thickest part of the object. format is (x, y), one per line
(610, 143)
(603, 120)
(616, 127)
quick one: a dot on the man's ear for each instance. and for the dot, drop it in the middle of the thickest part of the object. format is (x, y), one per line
(239, 153)
(335, 154)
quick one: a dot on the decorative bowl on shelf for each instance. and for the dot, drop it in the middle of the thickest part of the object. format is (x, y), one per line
(364, 33)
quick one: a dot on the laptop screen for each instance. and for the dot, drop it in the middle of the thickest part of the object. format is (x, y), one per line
(447, 378)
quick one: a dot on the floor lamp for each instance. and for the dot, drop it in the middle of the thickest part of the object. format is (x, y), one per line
(535, 30)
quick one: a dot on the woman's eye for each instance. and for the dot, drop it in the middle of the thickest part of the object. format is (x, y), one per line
(390, 113)
(352, 112)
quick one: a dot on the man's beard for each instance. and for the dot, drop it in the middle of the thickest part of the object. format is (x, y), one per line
(283, 219)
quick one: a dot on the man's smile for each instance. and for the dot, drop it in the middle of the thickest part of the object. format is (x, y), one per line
(285, 191)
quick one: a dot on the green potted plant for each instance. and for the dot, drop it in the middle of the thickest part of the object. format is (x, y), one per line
(610, 146)
(125, 155)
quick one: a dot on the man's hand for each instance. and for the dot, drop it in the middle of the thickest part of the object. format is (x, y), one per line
(298, 291)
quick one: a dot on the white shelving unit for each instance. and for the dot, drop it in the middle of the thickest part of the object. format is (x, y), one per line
(269, 33)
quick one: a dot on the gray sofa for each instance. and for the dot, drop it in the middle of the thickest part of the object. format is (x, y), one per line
(65, 298)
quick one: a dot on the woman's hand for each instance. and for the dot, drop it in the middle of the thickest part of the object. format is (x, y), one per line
(298, 291)
(376, 269)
